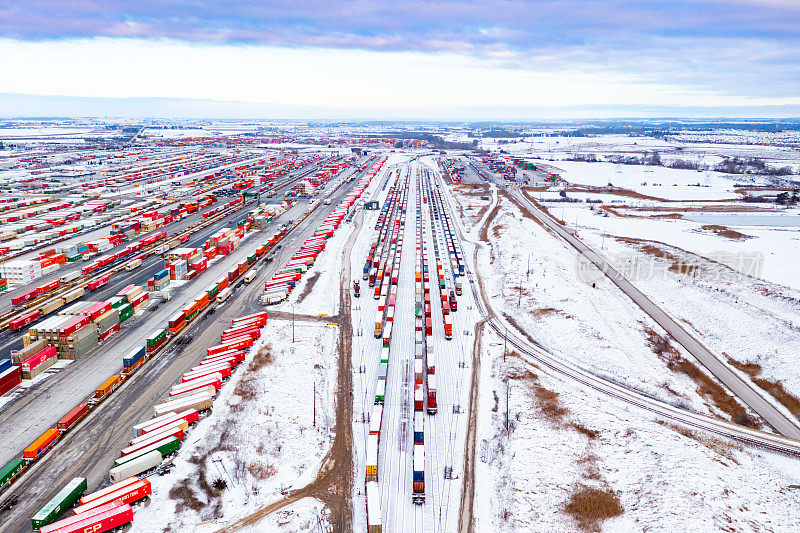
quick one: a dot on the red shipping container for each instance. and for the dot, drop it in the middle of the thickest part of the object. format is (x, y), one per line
(238, 356)
(9, 379)
(38, 358)
(126, 290)
(233, 360)
(199, 266)
(246, 326)
(139, 300)
(24, 297)
(96, 310)
(73, 417)
(127, 492)
(92, 285)
(233, 344)
(74, 325)
(224, 369)
(110, 331)
(24, 320)
(194, 385)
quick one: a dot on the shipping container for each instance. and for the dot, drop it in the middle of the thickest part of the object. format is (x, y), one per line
(106, 518)
(62, 501)
(41, 444)
(11, 470)
(73, 417)
(128, 491)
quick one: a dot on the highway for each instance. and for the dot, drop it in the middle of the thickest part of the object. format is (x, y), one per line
(752, 396)
(90, 449)
(542, 357)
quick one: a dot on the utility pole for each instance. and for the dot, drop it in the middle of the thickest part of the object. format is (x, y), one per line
(507, 386)
(505, 344)
(528, 272)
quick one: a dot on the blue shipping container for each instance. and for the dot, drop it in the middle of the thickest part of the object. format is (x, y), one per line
(161, 274)
(5, 364)
(419, 475)
(133, 356)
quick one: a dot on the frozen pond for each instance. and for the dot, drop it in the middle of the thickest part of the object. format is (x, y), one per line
(747, 220)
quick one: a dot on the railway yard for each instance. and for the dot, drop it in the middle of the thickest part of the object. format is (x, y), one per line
(346, 331)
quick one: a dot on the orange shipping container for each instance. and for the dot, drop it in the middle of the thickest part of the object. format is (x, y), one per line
(108, 386)
(39, 445)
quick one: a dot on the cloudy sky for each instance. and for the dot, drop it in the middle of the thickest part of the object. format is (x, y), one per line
(414, 59)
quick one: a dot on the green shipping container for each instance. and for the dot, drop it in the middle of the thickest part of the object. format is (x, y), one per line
(441, 284)
(3, 287)
(125, 312)
(62, 501)
(166, 447)
(8, 472)
(211, 290)
(73, 258)
(154, 339)
(192, 315)
(251, 259)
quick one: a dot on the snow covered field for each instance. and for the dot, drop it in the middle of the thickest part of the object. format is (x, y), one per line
(532, 278)
(575, 460)
(262, 438)
(572, 458)
(661, 182)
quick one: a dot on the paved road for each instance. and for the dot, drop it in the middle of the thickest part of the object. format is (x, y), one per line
(91, 449)
(751, 395)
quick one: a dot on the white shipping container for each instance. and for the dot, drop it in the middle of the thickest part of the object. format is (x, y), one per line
(135, 467)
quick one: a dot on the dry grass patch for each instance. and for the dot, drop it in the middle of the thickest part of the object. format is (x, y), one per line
(549, 404)
(497, 229)
(261, 470)
(187, 499)
(590, 506)
(726, 232)
(652, 248)
(262, 358)
(590, 434)
(774, 388)
(723, 448)
(312, 280)
(483, 233)
(706, 386)
(547, 311)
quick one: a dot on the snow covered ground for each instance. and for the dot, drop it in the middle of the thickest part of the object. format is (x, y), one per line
(262, 437)
(643, 474)
(532, 277)
(778, 246)
(575, 460)
(661, 182)
(749, 319)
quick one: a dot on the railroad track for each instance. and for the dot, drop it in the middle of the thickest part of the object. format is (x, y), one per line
(540, 356)
(83, 281)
